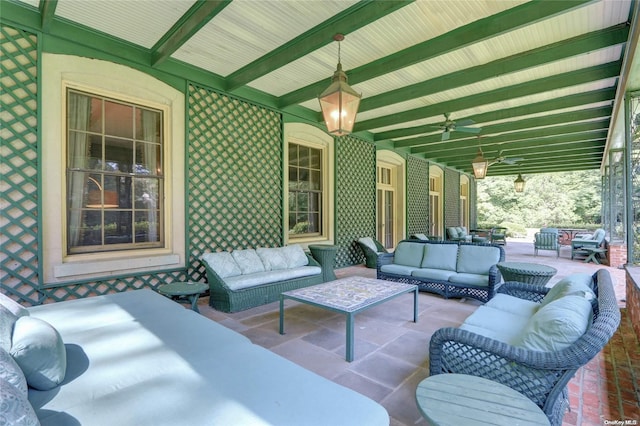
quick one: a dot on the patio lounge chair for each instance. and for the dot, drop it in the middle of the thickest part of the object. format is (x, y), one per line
(371, 249)
(458, 233)
(546, 239)
(579, 244)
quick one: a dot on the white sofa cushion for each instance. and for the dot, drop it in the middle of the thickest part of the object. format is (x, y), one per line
(248, 261)
(440, 256)
(470, 279)
(39, 351)
(273, 258)
(557, 325)
(515, 305)
(295, 256)
(496, 324)
(222, 264)
(393, 268)
(252, 280)
(434, 274)
(477, 259)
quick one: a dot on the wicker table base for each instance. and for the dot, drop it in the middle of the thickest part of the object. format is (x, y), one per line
(530, 273)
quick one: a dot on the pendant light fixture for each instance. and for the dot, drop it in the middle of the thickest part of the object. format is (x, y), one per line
(479, 164)
(518, 184)
(339, 102)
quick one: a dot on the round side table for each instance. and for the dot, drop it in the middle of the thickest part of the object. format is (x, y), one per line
(530, 273)
(325, 254)
(187, 290)
(455, 399)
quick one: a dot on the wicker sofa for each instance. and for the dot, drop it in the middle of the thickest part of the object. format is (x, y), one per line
(532, 338)
(451, 269)
(243, 279)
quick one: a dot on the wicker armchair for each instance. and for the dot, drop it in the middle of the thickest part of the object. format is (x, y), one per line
(541, 376)
(546, 240)
(367, 245)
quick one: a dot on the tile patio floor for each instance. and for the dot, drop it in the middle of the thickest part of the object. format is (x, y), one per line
(391, 352)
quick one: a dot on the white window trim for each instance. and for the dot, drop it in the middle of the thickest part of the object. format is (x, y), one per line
(60, 72)
(397, 164)
(305, 134)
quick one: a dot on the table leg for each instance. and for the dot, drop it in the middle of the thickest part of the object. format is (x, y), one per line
(194, 302)
(350, 321)
(281, 314)
(415, 305)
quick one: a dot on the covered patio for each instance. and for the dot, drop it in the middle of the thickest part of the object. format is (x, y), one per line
(391, 352)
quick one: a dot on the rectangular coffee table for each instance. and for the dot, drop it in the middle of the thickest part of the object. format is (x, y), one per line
(349, 296)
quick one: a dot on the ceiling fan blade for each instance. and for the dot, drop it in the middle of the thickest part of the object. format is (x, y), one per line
(465, 122)
(512, 160)
(468, 129)
(445, 135)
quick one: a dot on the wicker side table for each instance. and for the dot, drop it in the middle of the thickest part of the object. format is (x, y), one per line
(530, 273)
(184, 290)
(325, 254)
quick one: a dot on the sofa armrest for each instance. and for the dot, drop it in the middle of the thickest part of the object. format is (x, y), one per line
(216, 283)
(532, 292)
(384, 259)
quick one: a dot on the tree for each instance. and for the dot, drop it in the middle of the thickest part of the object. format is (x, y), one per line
(560, 199)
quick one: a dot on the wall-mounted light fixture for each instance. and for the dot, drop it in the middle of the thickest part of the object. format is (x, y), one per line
(339, 102)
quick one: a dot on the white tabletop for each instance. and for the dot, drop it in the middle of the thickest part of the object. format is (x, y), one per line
(459, 399)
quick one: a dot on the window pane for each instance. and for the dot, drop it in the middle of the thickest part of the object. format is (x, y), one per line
(293, 154)
(302, 202)
(117, 227)
(304, 156)
(146, 226)
(303, 179)
(89, 228)
(118, 119)
(79, 152)
(316, 159)
(314, 223)
(293, 178)
(314, 203)
(148, 159)
(147, 125)
(315, 181)
(119, 155)
(78, 111)
(147, 194)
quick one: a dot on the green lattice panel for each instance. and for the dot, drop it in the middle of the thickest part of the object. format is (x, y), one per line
(79, 290)
(18, 165)
(355, 197)
(417, 196)
(451, 197)
(235, 176)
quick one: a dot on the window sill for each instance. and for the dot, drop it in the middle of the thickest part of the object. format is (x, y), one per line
(120, 265)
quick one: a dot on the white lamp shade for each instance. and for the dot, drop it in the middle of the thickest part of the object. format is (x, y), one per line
(339, 104)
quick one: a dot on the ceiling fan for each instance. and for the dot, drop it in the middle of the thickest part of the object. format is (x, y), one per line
(501, 159)
(450, 125)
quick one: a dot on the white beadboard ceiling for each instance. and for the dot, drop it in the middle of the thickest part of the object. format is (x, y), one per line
(510, 68)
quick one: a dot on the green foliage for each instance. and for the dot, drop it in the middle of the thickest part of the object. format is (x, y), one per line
(570, 198)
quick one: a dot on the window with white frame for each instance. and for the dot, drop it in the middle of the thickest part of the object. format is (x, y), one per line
(308, 185)
(114, 174)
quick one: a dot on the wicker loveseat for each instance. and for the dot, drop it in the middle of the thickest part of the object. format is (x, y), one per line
(451, 269)
(531, 338)
(243, 279)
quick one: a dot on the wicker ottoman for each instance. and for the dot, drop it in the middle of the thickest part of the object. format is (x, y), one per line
(530, 273)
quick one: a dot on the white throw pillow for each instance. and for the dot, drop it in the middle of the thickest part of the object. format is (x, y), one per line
(575, 284)
(273, 258)
(7, 319)
(248, 261)
(39, 351)
(222, 264)
(295, 256)
(557, 325)
(15, 308)
(11, 372)
(15, 409)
